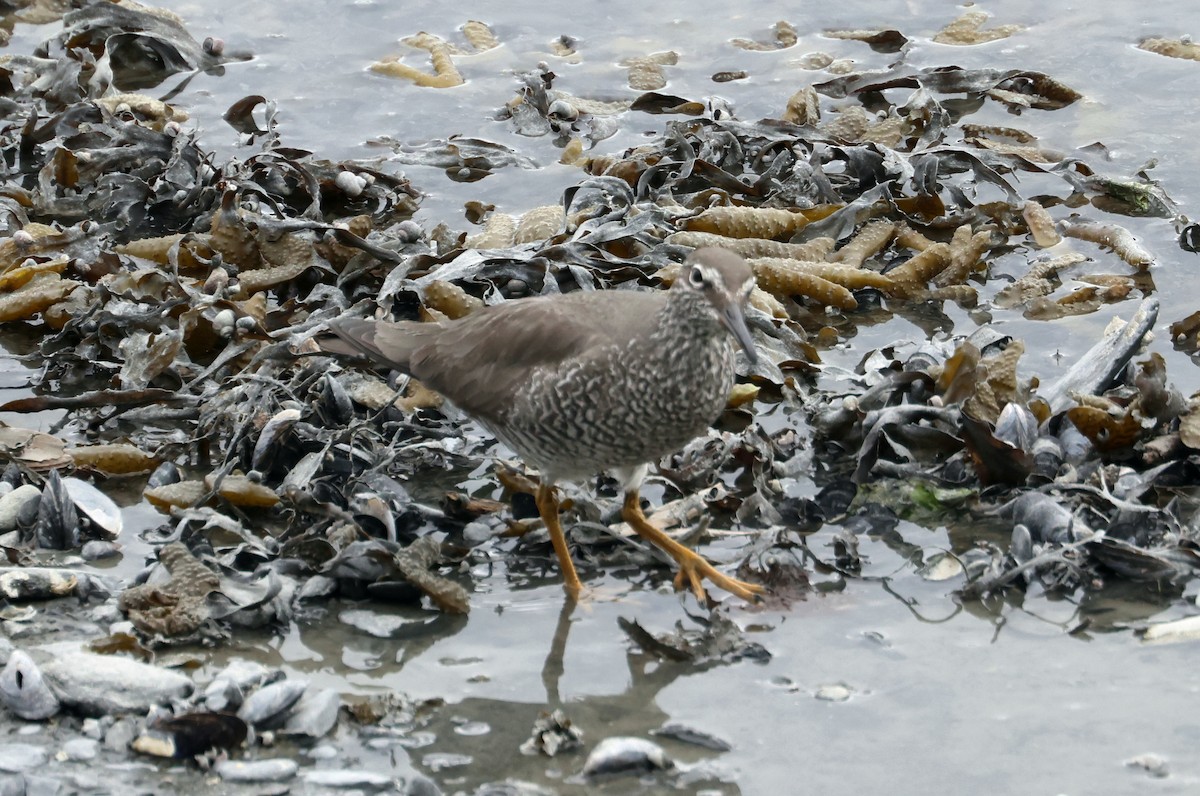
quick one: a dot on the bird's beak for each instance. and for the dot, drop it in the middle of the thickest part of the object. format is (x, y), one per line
(735, 321)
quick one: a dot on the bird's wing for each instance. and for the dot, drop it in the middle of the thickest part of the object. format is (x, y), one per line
(479, 362)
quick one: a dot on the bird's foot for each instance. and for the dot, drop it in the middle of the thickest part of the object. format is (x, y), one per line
(693, 567)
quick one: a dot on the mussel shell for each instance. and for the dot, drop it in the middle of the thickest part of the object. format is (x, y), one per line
(58, 519)
(97, 506)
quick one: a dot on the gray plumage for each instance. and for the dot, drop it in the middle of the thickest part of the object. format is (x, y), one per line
(584, 382)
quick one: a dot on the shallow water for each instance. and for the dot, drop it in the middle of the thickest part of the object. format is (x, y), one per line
(942, 699)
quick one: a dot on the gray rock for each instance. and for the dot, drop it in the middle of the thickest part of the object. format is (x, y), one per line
(12, 504)
(245, 674)
(347, 779)
(97, 550)
(272, 770)
(40, 785)
(314, 714)
(267, 706)
(419, 785)
(120, 735)
(81, 749)
(376, 624)
(625, 755)
(222, 694)
(20, 757)
(323, 752)
(100, 684)
(12, 785)
(24, 691)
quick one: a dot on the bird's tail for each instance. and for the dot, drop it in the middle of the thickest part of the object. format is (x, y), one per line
(360, 337)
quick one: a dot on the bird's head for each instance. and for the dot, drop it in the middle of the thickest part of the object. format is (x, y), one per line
(725, 280)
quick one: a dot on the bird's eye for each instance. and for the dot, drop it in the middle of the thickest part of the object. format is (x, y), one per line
(696, 277)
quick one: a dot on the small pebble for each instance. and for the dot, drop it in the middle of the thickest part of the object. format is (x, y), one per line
(323, 752)
(1153, 764)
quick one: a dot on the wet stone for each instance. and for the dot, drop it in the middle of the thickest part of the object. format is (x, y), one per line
(314, 714)
(267, 705)
(691, 735)
(272, 770)
(376, 624)
(80, 749)
(97, 551)
(100, 684)
(440, 761)
(834, 692)
(472, 728)
(38, 785)
(347, 779)
(120, 735)
(24, 691)
(18, 757)
(421, 786)
(323, 752)
(625, 755)
(1153, 764)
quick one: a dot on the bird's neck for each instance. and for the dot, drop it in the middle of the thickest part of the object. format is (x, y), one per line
(691, 313)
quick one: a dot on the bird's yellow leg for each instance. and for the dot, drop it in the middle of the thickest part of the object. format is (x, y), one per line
(547, 504)
(693, 567)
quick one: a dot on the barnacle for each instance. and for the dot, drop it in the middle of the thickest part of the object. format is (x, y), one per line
(450, 299)
(1113, 429)
(915, 273)
(966, 249)
(868, 242)
(182, 494)
(539, 223)
(1036, 281)
(153, 249)
(854, 124)
(998, 385)
(113, 459)
(782, 279)
(13, 278)
(1040, 224)
(963, 295)
(815, 249)
(909, 238)
(1119, 239)
(250, 282)
(445, 73)
(42, 291)
(645, 72)
(839, 273)
(765, 302)
(785, 36)
(966, 30)
(1172, 48)
(479, 35)
(751, 222)
(499, 232)
(803, 107)
(241, 491)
